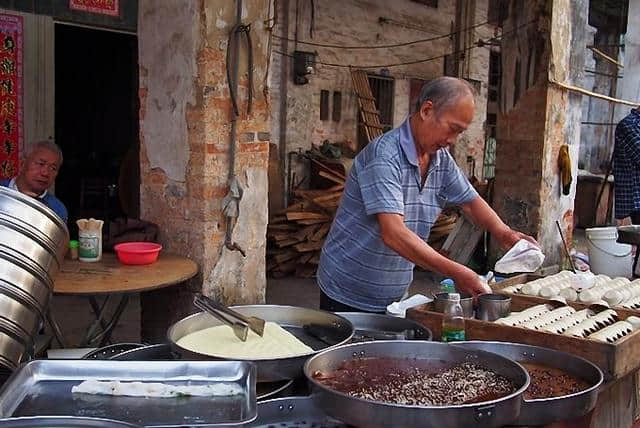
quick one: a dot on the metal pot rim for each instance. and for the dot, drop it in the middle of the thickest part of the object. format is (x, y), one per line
(38, 206)
(515, 394)
(562, 355)
(308, 354)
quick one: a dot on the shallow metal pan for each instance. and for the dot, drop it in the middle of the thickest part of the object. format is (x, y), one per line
(548, 410)
(369, 327)
(291, 318)
(43, 388)
(374, 414)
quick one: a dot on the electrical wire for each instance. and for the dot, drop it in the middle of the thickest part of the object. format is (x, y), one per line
(477, 44)
(394, 45)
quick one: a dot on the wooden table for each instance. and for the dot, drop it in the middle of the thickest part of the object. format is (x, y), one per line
(109, 278)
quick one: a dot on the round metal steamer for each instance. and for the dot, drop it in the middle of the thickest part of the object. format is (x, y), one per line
(374, 414)
(20, 281)
(32, 218)
(290, 318)
(26, 246)
(19, 317)
(11, 351)
(548, 410)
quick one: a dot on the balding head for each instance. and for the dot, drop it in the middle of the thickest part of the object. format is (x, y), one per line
(444, 92)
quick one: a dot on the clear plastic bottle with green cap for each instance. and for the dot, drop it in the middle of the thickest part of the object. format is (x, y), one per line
(453, 320)
(448, 286)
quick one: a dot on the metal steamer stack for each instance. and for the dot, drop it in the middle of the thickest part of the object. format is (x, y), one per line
(33, 242)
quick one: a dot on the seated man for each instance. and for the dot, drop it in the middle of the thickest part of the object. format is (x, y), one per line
(38, 171)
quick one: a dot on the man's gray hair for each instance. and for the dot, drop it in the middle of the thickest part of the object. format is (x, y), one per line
(444, 92)
(43, 145)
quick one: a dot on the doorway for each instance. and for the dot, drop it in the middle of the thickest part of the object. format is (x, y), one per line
(96, 122)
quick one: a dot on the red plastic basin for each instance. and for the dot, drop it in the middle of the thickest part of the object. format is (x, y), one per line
(137, 253)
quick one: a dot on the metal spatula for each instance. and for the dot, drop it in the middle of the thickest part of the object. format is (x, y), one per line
(241, 330)
(255, 324)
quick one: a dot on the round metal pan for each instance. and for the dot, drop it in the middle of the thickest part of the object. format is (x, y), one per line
(110, 351)
(369, 327)
(19, 280)
(548, 410)
(375, 414)
(160, 351)
(29, 247)
(292, 412)
(335, 330)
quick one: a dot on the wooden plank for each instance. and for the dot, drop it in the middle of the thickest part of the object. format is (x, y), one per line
(306, 232)
(304, 259)
(306, 215)
(281, 258)
(287, 242)
(462, 241)
(312, 221)
(329, 197)
(321, 232)
(308, 246)
(331, 177)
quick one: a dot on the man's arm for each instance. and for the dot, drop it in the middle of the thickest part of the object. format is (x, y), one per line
(484, 216)
(410, 246)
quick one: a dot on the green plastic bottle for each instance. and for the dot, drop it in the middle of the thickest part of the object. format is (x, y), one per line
(453, 320)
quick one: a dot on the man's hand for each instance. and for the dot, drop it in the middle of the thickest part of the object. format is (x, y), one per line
(469, 282)
(509, 238)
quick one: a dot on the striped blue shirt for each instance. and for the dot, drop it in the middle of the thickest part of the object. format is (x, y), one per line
(626, 165)
(356, 267)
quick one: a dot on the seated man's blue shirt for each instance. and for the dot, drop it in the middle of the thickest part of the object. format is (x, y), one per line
(356, 267)
(48, 199)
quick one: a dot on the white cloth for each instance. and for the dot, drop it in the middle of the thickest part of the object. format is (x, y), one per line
(522, 257)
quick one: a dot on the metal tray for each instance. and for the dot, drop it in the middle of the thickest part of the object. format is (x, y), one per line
(43, 388)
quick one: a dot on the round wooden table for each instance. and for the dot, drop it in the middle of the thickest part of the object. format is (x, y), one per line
(110, 278)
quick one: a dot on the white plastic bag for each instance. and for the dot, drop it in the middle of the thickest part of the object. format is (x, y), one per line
(522, 257)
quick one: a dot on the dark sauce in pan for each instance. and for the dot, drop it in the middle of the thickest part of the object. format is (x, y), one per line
(416, 382)
(548, 382)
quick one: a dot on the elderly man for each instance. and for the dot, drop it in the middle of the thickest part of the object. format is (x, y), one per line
(38, 171)
(395, 191)
(626, 167)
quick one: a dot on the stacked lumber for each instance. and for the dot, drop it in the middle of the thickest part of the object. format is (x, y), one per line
(296, 235)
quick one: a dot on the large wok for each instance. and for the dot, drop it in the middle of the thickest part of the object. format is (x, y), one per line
(544, 411)
(374, 414)
(328, 330)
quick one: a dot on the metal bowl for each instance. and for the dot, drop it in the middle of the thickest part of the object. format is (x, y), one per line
(373, 414)
(384, 327)
(291, 318)
(29, 247)
(548, 410)
(27, 213)
(11, 351)
(18, 280)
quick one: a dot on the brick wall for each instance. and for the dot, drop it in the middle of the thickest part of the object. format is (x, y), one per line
(183, 86)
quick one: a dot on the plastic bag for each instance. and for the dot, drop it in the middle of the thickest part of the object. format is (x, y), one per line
(522, 257)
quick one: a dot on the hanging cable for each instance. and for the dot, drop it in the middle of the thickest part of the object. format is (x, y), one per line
(393, 45)
(246, 30)
(479, 43)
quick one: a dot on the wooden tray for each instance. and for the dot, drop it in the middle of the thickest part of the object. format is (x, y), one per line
(525, 301)
(615, 360)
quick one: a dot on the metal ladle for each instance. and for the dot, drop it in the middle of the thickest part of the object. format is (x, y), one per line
(220, 311)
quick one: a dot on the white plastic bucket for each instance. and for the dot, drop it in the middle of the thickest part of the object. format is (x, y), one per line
(606, 256)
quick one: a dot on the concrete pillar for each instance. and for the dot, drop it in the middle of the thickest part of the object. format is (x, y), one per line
(538, 117)
(184, 159)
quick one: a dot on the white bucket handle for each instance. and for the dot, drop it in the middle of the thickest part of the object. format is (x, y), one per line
(607, 252)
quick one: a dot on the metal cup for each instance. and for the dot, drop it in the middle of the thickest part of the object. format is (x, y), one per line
(466, 301)
(493, 306)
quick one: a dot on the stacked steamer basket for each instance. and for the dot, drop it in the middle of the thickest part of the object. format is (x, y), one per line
(33, 242)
